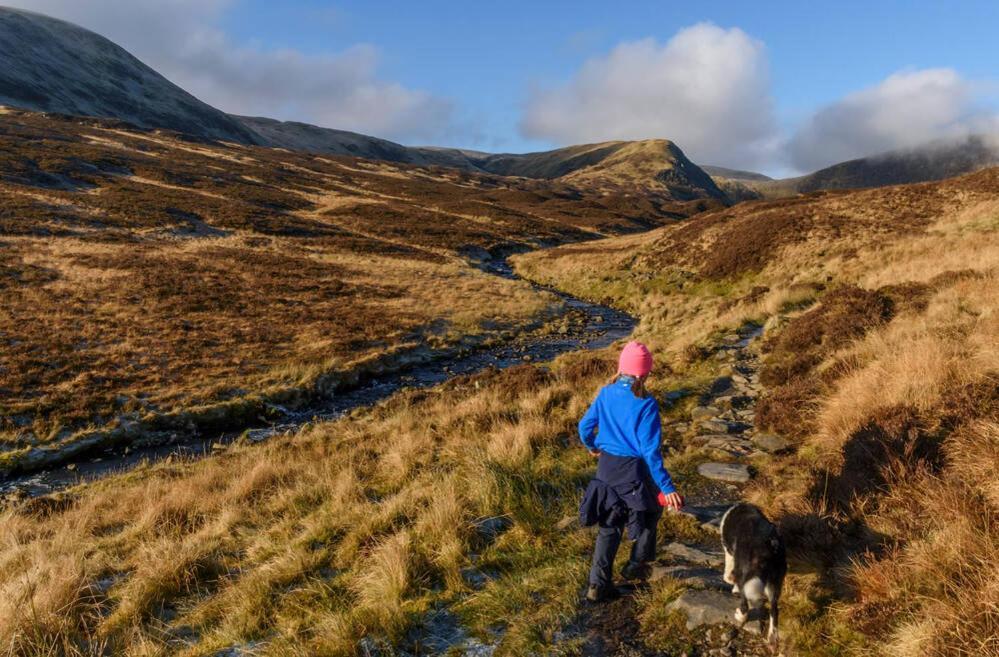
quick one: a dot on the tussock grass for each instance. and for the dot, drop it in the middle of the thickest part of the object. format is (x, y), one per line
(890, 496)
(361, 527)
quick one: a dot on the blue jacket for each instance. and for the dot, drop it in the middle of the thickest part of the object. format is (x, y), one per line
(628, 426)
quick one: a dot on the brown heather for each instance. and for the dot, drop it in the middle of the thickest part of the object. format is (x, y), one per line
(882, 363)
(142, 273)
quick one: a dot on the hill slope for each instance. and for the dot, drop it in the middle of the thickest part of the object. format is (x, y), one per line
(53, 66)
(227, 263)
(879, 374)
(935, 160)
(50, 65)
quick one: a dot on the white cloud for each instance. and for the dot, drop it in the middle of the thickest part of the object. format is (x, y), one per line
(179, 39)
(905, 109)
(707, 89)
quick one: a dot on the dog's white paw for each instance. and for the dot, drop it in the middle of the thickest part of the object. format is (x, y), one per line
(735, 589)
(740, 616)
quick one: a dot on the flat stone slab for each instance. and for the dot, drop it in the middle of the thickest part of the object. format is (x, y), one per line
(696, 555)
(712, 608)
(769, 442)
(715, 426)
(694, 576)
(734, 472)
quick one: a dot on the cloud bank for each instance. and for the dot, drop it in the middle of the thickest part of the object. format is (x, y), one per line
(179, 39)
(707, 89)
(906, 109)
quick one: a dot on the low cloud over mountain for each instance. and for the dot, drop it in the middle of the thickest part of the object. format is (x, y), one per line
(707, 88)
(905, 109)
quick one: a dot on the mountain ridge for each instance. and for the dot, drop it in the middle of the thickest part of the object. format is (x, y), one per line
(55, 66)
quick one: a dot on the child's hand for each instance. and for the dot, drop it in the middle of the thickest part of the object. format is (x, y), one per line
(595, 453)
(672, 501)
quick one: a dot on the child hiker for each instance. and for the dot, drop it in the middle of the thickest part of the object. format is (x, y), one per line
(623, 429)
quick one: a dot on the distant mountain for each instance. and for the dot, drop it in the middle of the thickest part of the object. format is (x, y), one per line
(936, 160)
(50, 65)
(733, 174)
(651, 165)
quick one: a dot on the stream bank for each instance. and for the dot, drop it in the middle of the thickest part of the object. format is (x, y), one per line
(586, 326)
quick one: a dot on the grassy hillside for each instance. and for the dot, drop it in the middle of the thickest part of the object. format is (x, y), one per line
(446, 514)
(881, 365)
(145, 275)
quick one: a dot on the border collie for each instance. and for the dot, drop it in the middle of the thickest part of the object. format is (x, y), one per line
(755, 563)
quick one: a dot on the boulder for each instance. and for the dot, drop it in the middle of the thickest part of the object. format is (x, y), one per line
(712, 608)
(734, 472)
(769, 442)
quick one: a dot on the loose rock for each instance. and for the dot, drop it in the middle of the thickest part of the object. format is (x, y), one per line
(769, 442)
(736, 472)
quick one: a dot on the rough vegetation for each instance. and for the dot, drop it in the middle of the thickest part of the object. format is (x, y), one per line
(443, 517)
(143, 273)
(881, 365)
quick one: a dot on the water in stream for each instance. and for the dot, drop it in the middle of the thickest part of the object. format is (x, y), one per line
(600, 327)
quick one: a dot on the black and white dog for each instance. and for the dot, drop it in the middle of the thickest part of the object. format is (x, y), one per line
(755, 563)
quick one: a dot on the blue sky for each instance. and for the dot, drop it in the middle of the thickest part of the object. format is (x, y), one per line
(785, 86)
(486, 57)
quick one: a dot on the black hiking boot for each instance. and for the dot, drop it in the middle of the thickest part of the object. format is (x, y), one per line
(601, 593)
(633, 570)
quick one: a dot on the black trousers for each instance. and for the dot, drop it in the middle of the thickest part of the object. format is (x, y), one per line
(608, 541)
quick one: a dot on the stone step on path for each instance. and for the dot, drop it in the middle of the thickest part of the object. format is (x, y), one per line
(731, 472)
(709, 607)
(722, 421)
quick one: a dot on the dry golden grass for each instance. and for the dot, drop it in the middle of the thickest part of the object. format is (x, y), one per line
(346, 530)
(360, 527)
(893, 486)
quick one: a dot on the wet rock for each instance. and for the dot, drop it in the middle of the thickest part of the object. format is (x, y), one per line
(710, 608)
(492, 527)
(772, 443)
(735, 472)
(693, 554)
(720, 385)
(474, 577)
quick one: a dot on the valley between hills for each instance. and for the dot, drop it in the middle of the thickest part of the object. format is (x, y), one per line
(442, 517)
(826, 347)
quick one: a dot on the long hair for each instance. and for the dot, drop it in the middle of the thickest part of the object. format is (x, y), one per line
(637, 386)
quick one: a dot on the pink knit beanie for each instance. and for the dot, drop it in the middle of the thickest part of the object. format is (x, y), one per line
(635, 360)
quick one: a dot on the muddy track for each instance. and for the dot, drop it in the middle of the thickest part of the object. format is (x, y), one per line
(586, 326)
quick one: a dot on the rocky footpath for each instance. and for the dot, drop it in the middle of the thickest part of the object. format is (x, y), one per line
(720, 427)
